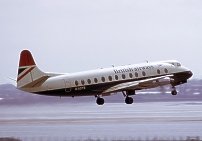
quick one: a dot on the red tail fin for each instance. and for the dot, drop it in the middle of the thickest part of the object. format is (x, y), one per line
(26, 59)
(28, 72)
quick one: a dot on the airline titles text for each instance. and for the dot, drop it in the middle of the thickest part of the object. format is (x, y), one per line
(133, 69)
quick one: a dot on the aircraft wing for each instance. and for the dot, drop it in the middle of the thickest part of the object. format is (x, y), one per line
(141, 84)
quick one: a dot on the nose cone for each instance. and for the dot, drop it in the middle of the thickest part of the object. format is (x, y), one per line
(186, 72)
(183, 76)
(189, 74)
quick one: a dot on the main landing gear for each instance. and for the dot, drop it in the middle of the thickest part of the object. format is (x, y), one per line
(100, 101)
(128, 100)
(174, 91)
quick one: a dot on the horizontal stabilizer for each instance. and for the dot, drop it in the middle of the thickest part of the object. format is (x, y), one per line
(36, 83)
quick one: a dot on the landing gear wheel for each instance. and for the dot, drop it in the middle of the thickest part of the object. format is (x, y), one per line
(100, 101)
(129, 100)
(174, 92)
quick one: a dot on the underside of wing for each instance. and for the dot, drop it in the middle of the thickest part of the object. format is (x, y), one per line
(141, 84)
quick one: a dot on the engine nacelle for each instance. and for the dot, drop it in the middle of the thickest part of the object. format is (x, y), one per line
(164, 81)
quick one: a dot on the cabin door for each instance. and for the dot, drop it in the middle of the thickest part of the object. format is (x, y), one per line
(67, 85)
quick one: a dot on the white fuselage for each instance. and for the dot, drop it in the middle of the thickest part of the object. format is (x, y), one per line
(96, 81)
(126, 79)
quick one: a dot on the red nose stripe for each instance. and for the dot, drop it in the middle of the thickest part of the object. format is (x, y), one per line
(26, 59)
(28, 71)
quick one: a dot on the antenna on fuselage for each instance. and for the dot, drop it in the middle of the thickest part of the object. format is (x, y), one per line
(112, 65)
(147, 61)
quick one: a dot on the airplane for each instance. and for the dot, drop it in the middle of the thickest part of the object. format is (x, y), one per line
(101, 82)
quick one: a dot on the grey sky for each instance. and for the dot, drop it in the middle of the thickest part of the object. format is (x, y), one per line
(78, 35)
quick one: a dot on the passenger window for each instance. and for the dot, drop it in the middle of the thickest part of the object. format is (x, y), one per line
(110, 78)
(166, 70)
(82, 82)
(143, 73)
(103, 79)
(116, 77)
(123, 76)
(76, 83)
(95, 80)
(130, 75)
(89, 81)
(136, 74)
(158, 71)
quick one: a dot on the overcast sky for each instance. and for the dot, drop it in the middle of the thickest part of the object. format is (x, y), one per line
(77, 35)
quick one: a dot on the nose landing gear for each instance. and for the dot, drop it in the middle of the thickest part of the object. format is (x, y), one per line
(174, 91)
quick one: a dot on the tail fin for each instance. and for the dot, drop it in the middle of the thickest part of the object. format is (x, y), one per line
(29, 75)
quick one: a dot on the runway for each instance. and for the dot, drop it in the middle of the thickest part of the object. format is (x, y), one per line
(110, 121)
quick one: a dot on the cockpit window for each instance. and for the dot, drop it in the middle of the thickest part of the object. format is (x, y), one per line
(178, 64)
(174, 64)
